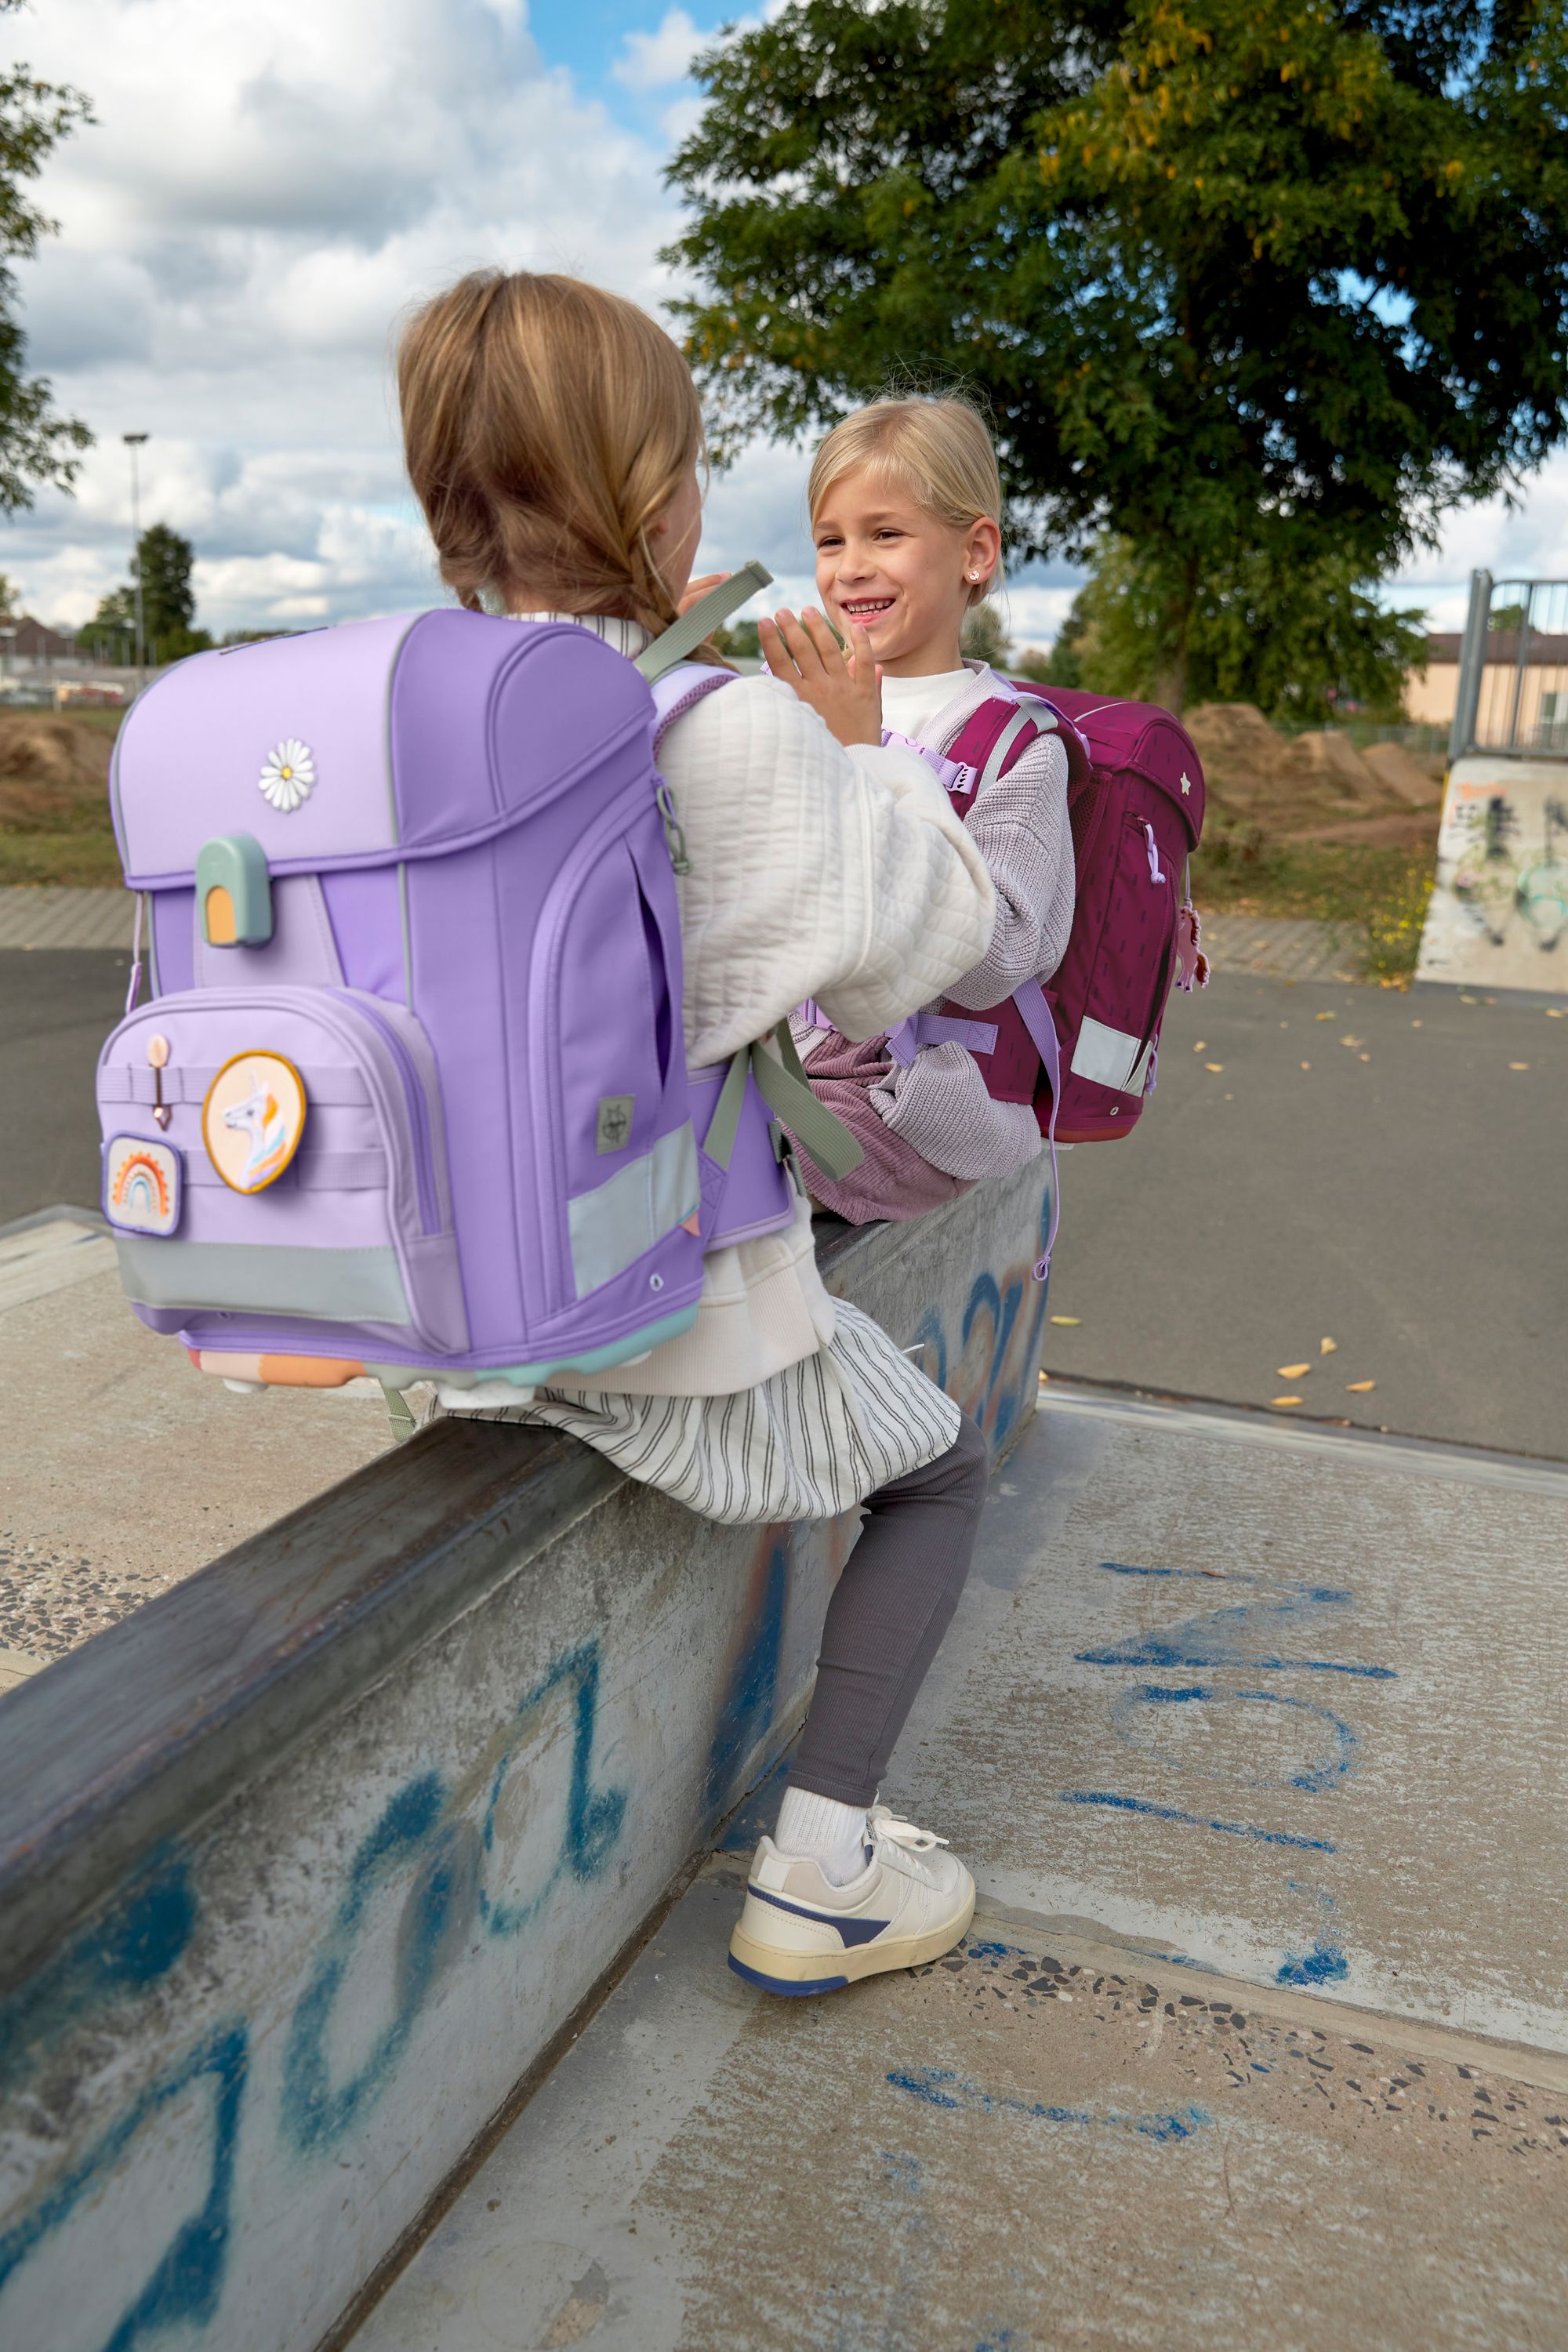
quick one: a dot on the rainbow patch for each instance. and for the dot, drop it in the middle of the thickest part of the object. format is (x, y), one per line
(141, 1185)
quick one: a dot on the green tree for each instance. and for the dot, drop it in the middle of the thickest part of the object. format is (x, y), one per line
(1289, 278)
(165, 560)
(738, 640)
(37, 443)
(984, 638)
(1302, 642)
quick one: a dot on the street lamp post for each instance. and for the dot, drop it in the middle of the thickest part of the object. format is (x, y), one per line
(133, 441)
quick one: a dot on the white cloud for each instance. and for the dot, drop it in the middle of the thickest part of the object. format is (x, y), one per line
(267, 189)
(652, 61)
(265, 193)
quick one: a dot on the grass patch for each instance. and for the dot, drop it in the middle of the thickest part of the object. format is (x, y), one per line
(1377, 897)
(85, 856)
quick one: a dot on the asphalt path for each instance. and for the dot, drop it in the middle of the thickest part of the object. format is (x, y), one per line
(56, 1007)
(1406, 1196)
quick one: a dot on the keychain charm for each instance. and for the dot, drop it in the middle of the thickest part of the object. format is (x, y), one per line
(157, 1056)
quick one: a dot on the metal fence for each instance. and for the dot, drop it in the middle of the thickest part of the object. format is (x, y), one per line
(1513, 670)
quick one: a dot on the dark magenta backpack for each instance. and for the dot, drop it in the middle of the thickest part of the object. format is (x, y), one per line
(1083, 1046)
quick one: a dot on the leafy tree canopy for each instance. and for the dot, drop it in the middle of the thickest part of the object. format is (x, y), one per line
(36, 444)
(165, 560)
(1284, 276)
(1304, 643)
(985, 637)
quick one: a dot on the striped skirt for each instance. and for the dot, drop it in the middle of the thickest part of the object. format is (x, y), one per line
(809, 1443)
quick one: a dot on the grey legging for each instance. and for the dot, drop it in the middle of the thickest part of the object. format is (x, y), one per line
(885, 1621)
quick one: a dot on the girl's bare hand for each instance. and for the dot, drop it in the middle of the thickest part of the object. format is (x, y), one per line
(695, 590)
(843, 688)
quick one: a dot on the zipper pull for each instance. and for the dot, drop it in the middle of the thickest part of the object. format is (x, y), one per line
(1154, 873)
(673, 833)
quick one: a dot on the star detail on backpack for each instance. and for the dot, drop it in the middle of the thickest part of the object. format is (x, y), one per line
(289, 775)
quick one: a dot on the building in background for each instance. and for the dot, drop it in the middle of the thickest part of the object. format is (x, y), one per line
(1536, 687)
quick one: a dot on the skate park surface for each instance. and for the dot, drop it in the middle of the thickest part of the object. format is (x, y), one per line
(1251, 1726)
(1256, 1739)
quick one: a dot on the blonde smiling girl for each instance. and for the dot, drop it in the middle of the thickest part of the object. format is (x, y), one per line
(905, 501)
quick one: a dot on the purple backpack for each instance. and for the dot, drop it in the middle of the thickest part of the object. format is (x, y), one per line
(411, 1097)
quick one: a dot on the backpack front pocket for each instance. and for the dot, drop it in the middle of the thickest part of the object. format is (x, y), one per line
(1132, 965)
(303, 1130)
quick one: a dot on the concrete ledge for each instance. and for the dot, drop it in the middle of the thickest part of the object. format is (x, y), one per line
(302, 1865)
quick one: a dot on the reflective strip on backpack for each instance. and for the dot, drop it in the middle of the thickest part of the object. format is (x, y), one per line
(619, 1221)
(1111, 1058)
(327, 1286)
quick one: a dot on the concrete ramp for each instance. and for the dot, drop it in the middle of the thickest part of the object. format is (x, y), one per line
(1290, 1703)
(1254, 1734)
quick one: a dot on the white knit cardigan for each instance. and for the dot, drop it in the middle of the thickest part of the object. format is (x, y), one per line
(816, 872)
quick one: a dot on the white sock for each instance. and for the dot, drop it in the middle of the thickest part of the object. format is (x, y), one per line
(820, 1830)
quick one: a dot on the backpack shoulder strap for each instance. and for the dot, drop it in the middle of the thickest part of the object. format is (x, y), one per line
(683, 636)
(991, 739)
(675, 691)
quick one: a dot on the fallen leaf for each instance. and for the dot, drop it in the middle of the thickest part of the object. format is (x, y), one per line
(1519, 1065)
(1415, 1024)
(1067, 1319)
(1470, 1000)
(1328, 1347)
(1199, 1046)
(1293, 1371)
(1353, 1040)
(1284, 1400)
(1359, 1387)
(1326, 1016)
(1044, 1378)
(1363, 1057)
(1555, 1012)
(1216, 1067)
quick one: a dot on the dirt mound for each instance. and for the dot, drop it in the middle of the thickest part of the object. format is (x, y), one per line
(1417, 781)
(1334, 757)
(1317, 784)
(58, 754)
(1240, 751)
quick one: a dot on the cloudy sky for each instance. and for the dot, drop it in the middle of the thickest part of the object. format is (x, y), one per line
(267, 187)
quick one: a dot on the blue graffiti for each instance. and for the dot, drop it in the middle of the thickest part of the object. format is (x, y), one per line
(187, 2282)
(1136, 1714)
(1324, 1963)
(317, 2112)
(418, 1829)
(128, 1948)
(1247, 1636)
(929, 1333)
(985, 1297)
(1193, 1821)
(748, 1708)
(594, 1817)
(939, 2087)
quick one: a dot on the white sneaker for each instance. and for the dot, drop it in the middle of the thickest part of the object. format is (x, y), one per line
(798, 1933)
